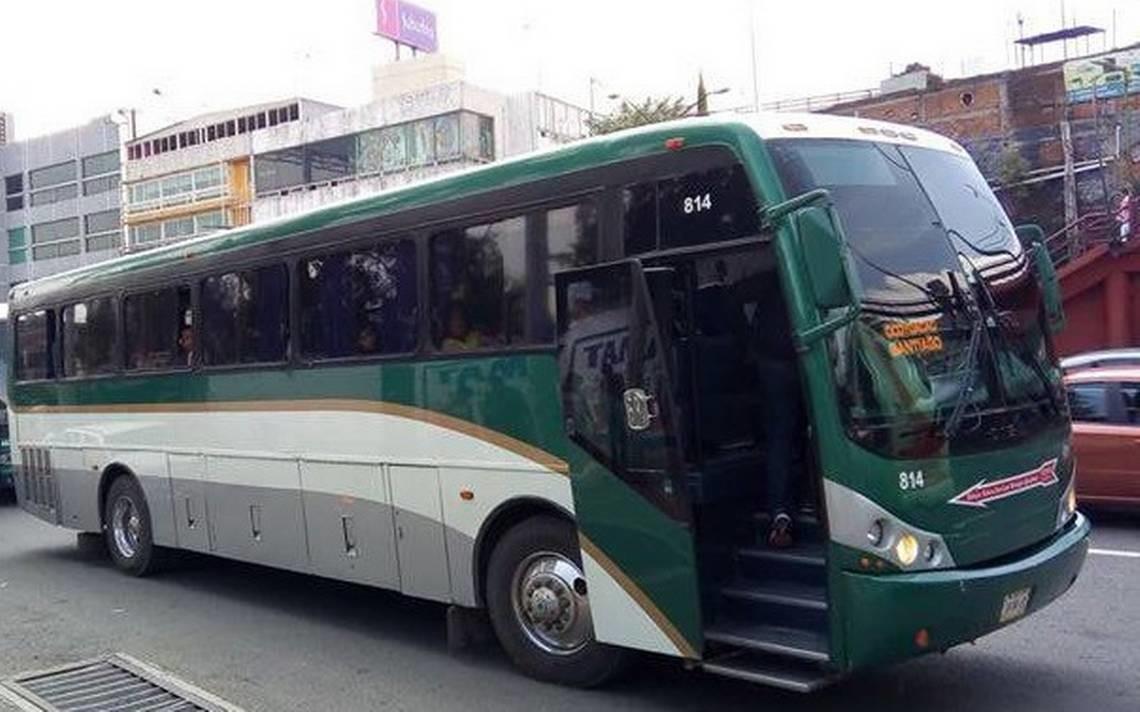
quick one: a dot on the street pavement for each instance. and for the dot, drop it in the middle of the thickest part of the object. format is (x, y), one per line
(268, 640)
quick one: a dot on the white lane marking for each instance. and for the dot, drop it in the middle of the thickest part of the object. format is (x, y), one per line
(1116, 552)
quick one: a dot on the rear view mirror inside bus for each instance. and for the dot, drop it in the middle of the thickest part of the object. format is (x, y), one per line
(822, 249)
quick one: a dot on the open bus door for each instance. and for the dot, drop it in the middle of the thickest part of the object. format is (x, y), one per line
(630, 496)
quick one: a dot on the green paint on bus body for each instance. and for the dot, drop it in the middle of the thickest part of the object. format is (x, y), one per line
(517, 395)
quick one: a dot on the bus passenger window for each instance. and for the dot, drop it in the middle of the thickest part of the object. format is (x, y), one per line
(245, 316)
(707, 206)
(569, 240)
(359, 303)
(88, 337)
(159, 329)
(35, 337)
(478, 285)
(639, 209)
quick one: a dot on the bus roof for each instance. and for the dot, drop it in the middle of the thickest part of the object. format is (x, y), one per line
(549, 163)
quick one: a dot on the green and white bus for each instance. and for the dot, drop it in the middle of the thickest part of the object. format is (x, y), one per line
(537, 389)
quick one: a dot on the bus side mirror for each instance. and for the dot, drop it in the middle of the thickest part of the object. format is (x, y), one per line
(1050, 287)
(821, 244)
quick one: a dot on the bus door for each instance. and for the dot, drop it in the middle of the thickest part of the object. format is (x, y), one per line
(628, 479)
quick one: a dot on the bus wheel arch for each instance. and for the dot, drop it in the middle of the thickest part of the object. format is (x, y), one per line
(502, 519)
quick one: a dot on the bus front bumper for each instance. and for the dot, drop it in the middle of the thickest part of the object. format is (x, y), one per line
(886, 614)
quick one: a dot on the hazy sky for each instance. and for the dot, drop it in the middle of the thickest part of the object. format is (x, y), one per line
(66, 61)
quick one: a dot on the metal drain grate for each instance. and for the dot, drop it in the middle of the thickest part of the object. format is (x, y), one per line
(116, 683)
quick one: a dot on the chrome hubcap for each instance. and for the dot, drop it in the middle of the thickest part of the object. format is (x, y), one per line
(549, 598)
(125, 527)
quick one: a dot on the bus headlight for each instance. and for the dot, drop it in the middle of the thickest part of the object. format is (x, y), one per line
(906, 549)
(1068, 506)
(857, 522)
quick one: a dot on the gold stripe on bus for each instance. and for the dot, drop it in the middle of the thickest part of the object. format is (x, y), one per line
(643, 601)
(466, 427)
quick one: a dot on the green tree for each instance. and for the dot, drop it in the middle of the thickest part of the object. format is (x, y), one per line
(630, 114)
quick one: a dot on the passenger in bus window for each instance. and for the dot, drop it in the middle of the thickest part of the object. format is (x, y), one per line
(367, 341)
(459, 337)
(186, 346)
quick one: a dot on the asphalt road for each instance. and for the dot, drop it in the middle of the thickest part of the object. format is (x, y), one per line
(267, 640)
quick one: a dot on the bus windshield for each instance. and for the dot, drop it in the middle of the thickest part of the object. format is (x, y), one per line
(948, 355)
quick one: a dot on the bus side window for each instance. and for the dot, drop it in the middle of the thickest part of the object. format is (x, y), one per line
(87, 337)
(158, 329)
(567, 238)
(639, 210)
(35, 342)
(707, 206)
(245, 316)
(359, 303)
(478, 286)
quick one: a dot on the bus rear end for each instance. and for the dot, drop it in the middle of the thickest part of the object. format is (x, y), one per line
(942, 429)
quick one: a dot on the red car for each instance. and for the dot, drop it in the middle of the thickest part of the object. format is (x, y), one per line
(1105, 405)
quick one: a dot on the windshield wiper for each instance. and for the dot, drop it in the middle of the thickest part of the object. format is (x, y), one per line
(966, 384)
(1002, 329)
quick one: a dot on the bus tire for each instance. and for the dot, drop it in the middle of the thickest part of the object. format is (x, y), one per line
(538, 604)
(127, 528)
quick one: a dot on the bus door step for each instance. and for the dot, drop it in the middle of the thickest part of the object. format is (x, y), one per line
(775, 672)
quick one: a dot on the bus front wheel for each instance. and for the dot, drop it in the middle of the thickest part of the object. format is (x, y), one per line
(127, 528)
(540, 609)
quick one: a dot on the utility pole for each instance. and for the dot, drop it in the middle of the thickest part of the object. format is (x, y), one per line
(755, 75)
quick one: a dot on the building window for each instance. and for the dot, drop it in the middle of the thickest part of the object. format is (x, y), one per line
(35, 337)
(208, 222)
(360, 302)
(294, 112)
(55, 195)
(52, 175)
(54, 239)
(478, 286)
(178, 227)
(14, 202)
(106, 241)
(106, 184)
(87, 338)
(14, 184)
(55, 230)
(279, 170)
(17, 245)
(159, 329)
(97, 223)
(330, 160)
(486, 138)
(101, 164)
(245, 316)
(57, 249)
(143, 234)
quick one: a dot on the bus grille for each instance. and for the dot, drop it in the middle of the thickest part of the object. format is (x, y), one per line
(37, 482)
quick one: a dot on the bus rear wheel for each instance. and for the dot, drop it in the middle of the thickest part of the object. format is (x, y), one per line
(127, 528)
(539, 606)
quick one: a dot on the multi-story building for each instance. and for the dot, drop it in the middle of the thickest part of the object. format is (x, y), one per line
(61, 201)
(193, 177)
(425, 120)
(7, 128)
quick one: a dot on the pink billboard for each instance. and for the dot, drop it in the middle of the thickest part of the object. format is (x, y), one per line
(407, 24)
